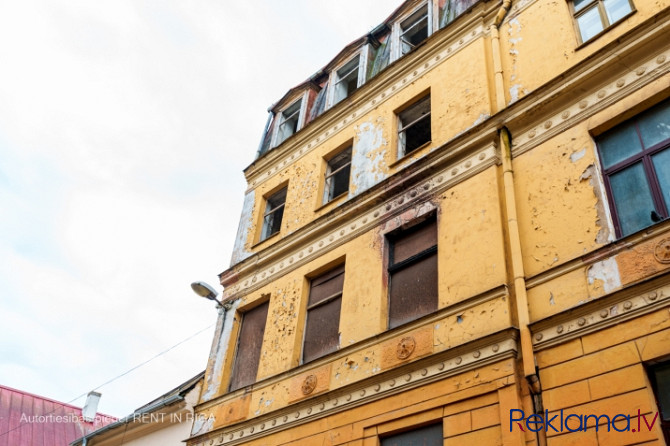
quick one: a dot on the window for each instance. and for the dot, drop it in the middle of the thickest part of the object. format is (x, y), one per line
(337, 175)
(423, 436)
(414, 30)
(289, 121)
(274, 211)
(249, 345)
(413, 273)
(414, 127)
(322, 331)
(635, 157)
(594, 16)
(660, 380)
(345, 81)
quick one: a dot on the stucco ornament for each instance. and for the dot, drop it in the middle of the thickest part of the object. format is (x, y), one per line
(405, 347)
(662, 251)
(309, 384)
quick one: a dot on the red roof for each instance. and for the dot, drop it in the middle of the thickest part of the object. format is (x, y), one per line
(31, 420)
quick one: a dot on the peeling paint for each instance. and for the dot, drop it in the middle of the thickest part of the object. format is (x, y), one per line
(605, 274)
(239, 251)
(202, 425)
(576, 156)
(224, 328)
(606, 232)
(368, 166)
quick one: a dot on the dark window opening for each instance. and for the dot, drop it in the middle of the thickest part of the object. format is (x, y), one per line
(274, 212)
(322, 331)
(660, 381)
(288, 124)
(337, 175)
(414, 30)
(414, 126)
(413, 273)
(635, 157)
(346, 80)
(423, 436)
(249, 345)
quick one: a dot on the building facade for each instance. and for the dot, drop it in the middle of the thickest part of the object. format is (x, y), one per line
(457, 232)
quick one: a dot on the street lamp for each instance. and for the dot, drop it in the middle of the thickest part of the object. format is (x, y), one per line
(202, 289)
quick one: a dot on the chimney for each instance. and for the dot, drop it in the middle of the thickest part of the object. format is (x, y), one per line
(91, 406)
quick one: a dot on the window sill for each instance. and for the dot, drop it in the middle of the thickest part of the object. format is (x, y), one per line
(408, 155)
(334, 202)
(604, 31)
(259, 243)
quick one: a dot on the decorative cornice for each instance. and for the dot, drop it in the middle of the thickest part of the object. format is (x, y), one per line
(438, 51)
(595, 101)
(478, 354)
(600, 314)
(252, 275)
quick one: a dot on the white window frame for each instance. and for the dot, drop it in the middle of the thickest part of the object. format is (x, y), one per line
(396, 49)
(301, 118)
(362, 56)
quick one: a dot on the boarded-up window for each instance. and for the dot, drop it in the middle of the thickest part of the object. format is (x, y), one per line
(423, 436)
(249, 345)
(413, 273)
(322, 333)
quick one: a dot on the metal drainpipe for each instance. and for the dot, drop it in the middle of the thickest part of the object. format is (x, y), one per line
(523, 317)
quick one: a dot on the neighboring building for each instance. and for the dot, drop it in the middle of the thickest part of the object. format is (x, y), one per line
(462, 217)
(31, 420)
(167, 420)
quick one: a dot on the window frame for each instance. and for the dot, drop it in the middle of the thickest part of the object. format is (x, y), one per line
(385, 439)
(602, 14)
(644, 157)
(233, 383)
(302, 100)
(393, 267)
(328, 187)
(402, 128)
(399, 32)
(264, 235)
(330, 274)
(336, 77)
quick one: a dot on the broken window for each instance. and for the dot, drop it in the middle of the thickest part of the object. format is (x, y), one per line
(423, 436)
(346, 80)
(451, 9)
(414, 127)
(322, 331)
(249, 344)
(274, 211)
(635, 157)
(594, 16)
(337, 175)
(412, 272)
(289, 121)
(660, 380)
(414, 30)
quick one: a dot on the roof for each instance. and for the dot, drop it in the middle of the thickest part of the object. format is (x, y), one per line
(31, 420)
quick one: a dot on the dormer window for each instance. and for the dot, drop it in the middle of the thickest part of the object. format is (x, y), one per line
(414, 30)
(346, 79)
(289, 121)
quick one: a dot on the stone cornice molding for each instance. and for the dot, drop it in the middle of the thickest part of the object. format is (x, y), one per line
(476, 354)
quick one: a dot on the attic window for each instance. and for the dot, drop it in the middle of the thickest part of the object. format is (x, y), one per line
(289, 121)
(346, 80)
(414, 30)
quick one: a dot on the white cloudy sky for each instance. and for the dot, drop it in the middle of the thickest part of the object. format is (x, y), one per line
(124, 129)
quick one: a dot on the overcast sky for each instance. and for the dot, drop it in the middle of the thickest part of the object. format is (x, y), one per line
(124, 129)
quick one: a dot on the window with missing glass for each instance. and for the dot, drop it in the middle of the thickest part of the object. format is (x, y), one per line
(594, 16)
(423, 436)
(414, 30)
(289, 121)
(322, 330)
(337, 175)
(346, 80)
(412, 272)
(249, 343)
(414, 127)
(660, 380)
(274, 213)
(635, 158)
